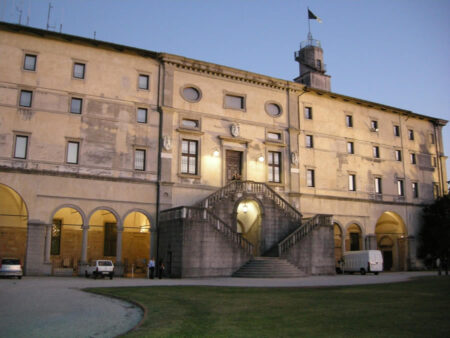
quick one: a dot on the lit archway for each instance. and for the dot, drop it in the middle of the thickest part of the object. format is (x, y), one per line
(353, 238)
(391, 236)
(66, 238)
(13, 224)
(337, 243)
(136, 242)
(102, 235)
(249, 223)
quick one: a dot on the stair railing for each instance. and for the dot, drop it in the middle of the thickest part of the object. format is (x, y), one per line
(302, 231)
(203, 214)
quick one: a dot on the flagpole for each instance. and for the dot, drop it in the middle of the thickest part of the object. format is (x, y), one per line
(309, 25)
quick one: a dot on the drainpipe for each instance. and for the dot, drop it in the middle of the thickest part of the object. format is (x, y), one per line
(438, 160)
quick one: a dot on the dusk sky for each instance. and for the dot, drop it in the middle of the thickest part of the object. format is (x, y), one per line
(391, 52)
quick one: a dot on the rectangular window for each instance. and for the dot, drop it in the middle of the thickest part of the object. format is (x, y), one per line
(400, 188)
(234, 102)
(29, 62)
(411, 134)
(398, 155)
(349, 121)
(21, 145)
(56, 237)
(308, 113)
(378, 187)
(415, 189)
(109, 248)
(189, 154)
(376, 151)
(352, 182)
(413, 158)
(72, 152)
(274, 136)
(142, 115)
(396, 130)
(78, 70)
(192, 124)
(76, 105)
(26, 97)
(374, 125)
(350, 148)
(310, 180)
(309, 141)
(274, 163)
(139, 159)
(143, 81)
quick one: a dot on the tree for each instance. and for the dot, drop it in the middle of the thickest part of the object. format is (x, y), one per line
(434, 236)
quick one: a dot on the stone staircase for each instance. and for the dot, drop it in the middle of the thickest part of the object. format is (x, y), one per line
(268, 267)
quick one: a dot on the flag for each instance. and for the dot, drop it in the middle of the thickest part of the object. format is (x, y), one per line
(312, 16)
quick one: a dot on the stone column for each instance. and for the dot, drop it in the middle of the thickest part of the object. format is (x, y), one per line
(371, 242)
(48, 243)
(119, 246)
(411, 255)
(36, 249)
(84, 245)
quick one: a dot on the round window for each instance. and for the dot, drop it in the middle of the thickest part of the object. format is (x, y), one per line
(191, 94)
(273, 109)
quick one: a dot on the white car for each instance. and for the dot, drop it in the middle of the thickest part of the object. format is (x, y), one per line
(100, 268)
(10, 267)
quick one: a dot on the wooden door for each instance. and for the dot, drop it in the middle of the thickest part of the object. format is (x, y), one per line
(233, 165)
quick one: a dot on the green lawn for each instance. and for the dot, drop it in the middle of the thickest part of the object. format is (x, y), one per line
(420, 308)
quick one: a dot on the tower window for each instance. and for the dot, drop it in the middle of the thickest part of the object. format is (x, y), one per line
(234, 102)
(310, 180)
(274, 164)
(139, 159)
(400, 188)
(76, 105)
(319, 64)
(20, 147)
(78, 70)
(398, 155)
(25, 98)
(378, 186)
(376, 152)
(350, 148)
(29, 62)
(373, 125)
(352, 182)
(349, 121)
(142, 115)
(143, 81)
(308, 113)
(309, 141)
(396, 130)
(415, 189)
(189, 154)
(411, 134)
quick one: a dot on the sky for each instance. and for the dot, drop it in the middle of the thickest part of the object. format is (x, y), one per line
(391, 52)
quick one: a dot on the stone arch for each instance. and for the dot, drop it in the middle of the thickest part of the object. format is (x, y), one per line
(391, 234)
(338, 242)
(71, 206)
(249, 211)
(13, 224)
(145, 213)
(104, 224)
(354, 235)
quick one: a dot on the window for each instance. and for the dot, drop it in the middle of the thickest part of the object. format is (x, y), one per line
(273, 109)
(72, 152)
(309, 141)
(139, 159)
(354, 241)
(350, 148)
(374, 125)
(274, 163)
(26, 97)
(274, 136)
(352, 182)
(78, 70)
(20, 147)
(76, 105)
(396, 130)
(413, 158)
(310, 182)
(142, 115)
(400, 188)
(29, 62)
(189, 156)
(398, 155)
(143, 81)
(55, 247)
(191, 94)
(432, 141)
(349, 121)
(319, 64)
(411, 134)
(415, 189)
(378, 186)
(192, 124)
(433, 162)
(376, 151)
(308, 113)
(109, 248)
(234, 102)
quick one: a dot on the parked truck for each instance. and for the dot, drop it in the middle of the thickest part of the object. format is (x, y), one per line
(100, 268)
(363, 261)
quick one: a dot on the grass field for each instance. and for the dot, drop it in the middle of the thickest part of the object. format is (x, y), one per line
(420, 308)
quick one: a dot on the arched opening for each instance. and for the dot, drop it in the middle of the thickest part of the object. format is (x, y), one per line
(353, 238)
(136, 242)
(102, 236)
(66, 238)
(391, 236)
(249, 223)
(337, 244)
(13, 224)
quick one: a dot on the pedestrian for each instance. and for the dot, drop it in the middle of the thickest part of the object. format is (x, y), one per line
(161, 268)
(151, 268)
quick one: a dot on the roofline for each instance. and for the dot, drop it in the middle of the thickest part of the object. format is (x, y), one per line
(209, 67)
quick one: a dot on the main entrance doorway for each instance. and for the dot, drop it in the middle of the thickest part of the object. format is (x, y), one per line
(249, 223)
(233, 165)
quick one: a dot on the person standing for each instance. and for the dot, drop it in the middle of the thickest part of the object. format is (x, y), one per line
(151, 268)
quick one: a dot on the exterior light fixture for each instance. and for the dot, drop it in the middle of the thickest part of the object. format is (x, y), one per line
(261, 158)
(245, 208)
(216, 153)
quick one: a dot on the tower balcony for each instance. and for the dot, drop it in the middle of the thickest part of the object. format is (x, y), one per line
(310, 42)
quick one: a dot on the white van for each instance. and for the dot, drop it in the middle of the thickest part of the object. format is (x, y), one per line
(363, 261)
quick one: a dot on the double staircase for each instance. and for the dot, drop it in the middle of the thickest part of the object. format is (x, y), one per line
(268, 267)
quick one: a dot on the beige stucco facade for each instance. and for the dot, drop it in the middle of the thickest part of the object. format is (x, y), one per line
(108, 135)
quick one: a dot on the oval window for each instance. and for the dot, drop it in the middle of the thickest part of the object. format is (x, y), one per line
(191, 94)
(273, 109)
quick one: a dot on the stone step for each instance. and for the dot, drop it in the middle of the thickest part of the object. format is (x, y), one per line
(268, 267)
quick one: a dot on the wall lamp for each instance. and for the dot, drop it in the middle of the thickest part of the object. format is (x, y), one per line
(216, 152)
(261, 158)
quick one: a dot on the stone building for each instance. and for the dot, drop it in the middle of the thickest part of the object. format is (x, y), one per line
(123, 153)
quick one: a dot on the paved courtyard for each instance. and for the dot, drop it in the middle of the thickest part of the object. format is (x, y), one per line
(56, 306)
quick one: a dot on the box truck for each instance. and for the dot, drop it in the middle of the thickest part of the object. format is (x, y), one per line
(363, 261)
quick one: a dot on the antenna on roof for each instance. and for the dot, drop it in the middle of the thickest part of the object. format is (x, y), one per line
(20, 14)
(48, 15)
(95, 34)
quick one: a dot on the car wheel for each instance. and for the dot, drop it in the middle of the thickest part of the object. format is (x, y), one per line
(363, 272)
(20, 277)
(95, 275)
(376, 273)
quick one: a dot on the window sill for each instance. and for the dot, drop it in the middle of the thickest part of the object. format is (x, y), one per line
(189, 131)
(182, 175)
